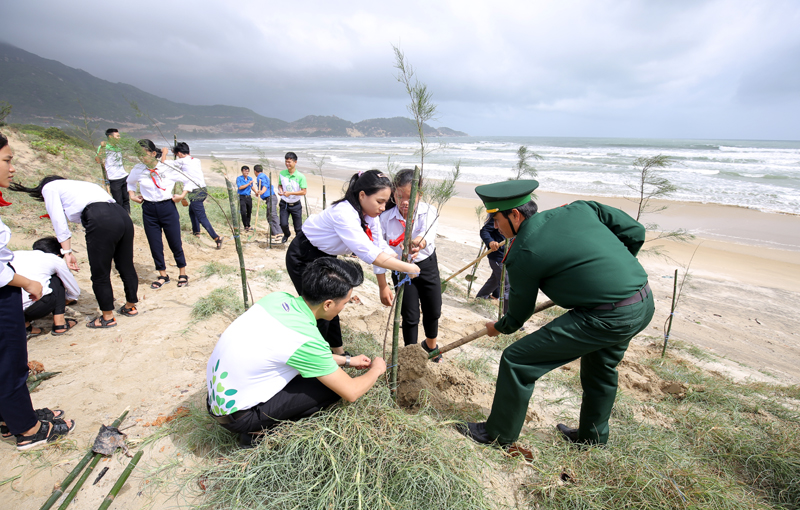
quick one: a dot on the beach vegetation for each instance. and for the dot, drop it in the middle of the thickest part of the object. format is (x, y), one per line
(220, 300)
(5, 111)
(523, 168)
(217, 268)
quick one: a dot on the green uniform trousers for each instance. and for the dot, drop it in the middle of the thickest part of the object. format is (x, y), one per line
(599, 337)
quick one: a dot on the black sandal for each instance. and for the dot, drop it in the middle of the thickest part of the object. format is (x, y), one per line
(31, 334)
(110, 323)
(183, 281)
(48, 432)
(128, 312)
(218, 240)
(60, 329)
(424, 345)
(43, 414)
(160, 281)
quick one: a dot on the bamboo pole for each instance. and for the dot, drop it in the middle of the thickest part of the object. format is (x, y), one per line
(236, 238)
(502, 300)
(324, 203)
(255, 227)
(121, 481)
(671, 313)
(474, 270)
(60, 488)
(271, 206)
(399, 299)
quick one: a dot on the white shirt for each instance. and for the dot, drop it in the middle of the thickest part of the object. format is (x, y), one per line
(425, 224)
(65, 200)
(337, 231)
(6, 255)
(114, 167)
(154, 186)
(192, 170)
(40, 266)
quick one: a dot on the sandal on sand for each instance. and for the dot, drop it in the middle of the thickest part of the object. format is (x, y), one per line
(60, 329)
(160, 281)
(128, 312)
(48, 432)
(183, 281)
(218, 240)
(424, 345)
(31, 334)
(110, 323)
(43, 414)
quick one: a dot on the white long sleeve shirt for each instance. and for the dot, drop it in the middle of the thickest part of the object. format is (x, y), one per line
(337, 231)
(65, 200)
(40, 266)
(425, 222)
(154, 186)
(6, 255)
(193, 172)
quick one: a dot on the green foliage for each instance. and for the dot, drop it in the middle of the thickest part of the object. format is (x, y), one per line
(55, 149)
(421, 106)
(53, 136)
(523, 168)
(224, 300)
(273, 275)
(5, 111)
(218, 268)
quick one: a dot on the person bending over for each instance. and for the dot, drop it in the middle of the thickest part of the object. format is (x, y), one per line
(288, 371)
(46, 265)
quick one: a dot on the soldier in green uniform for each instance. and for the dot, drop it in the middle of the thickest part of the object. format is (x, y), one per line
(583, 257)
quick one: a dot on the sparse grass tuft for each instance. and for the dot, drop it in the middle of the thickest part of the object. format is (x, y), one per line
(273, 275)
(225, 300)
(217, 268)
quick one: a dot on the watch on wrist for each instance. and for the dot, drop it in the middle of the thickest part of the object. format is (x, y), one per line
(346, 360)
(64, 252)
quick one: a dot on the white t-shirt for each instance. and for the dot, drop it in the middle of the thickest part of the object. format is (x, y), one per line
(65, 200)
(193, 172)
(40, 266)
(6, 255)
(154, 185)
(393, 228)
(261, 351)
(114, 166)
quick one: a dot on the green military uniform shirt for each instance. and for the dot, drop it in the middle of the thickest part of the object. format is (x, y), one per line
(562, 252)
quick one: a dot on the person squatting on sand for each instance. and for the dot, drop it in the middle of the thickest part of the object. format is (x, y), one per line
(583, 257)
(291, 188)
(159, 213)
(244, 185)
(426, 290)
(18, 419)
(110, 156)
(192, 170)
(287, 371)
(492, 238)
(266, 192)
(109, 237)
(46, 265)
(348, 226)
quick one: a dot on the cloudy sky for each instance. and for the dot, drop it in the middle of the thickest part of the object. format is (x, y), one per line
(667, 69)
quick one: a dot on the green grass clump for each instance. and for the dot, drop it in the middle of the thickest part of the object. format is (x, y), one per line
(273, 275)
(369, 455)
(225, 300)
(218, 268)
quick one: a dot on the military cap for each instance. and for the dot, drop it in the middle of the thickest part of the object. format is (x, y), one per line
(505, 195)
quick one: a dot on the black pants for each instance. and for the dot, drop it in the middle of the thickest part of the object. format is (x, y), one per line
(492, 285)
(158, 216)
(423, 291)
(197, 212)
(246, 209)
(299, 399)
(55, 302)
(119, 192)
(296, 210)
(299, 255)
(16, 408)
(109, 237)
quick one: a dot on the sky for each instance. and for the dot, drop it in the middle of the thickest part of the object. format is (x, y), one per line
(597, 68)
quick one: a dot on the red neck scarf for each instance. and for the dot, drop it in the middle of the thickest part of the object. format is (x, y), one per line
(368, 231)
(153, 175)
(402, 236)
(3, 202)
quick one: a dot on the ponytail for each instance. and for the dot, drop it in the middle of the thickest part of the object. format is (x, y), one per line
(35, 193)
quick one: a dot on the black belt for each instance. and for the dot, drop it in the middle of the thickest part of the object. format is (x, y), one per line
(640, 295)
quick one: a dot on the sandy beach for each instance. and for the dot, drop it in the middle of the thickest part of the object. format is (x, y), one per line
(739, 306)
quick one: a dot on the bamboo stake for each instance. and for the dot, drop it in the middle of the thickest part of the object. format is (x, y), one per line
(60, 488)
(271, 207)
(122, 479)
(237, 239)
(323, 196)
(481, 332)
(399, 300)
(255, 227)
(502, 299)
(474, 270)
(671, 313)
(481, 257)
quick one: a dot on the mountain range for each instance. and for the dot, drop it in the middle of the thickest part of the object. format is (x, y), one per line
(47, 92)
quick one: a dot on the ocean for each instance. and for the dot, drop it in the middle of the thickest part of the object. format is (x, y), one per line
(762, 175)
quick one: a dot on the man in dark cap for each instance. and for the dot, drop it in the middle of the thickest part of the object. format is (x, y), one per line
(583, 257)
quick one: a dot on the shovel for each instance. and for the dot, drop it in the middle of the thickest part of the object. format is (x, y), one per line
(487, 252)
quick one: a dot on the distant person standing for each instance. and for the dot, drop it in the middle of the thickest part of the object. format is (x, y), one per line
(266, 192)
(109, 154)
(291, 188)
(492, 238)
(196, 186)
(244, 183)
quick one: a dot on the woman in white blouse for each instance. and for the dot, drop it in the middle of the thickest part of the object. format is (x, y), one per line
(109, 237)
(350, 225)
(159, 213)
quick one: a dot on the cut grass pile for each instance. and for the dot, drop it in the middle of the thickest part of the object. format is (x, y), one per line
(226, 300)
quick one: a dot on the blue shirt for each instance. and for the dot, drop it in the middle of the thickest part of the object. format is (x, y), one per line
(241, 181)
(263, 182)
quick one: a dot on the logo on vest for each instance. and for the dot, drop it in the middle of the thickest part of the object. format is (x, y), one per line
(285, 306)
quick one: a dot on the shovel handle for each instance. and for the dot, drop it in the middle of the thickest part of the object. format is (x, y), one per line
(487, 252)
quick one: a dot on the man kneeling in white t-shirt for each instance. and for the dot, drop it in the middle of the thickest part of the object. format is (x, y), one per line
(286, 371)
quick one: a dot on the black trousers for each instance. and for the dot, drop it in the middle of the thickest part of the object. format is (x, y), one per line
(158, 217)
(16, 408)
(299, 399)
(197, 212)
(119, 192)
(424, 291)
(300, 254)
(55, 302)
(296, 210)
(109, 237)
(246, 209)
(492, 285)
